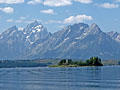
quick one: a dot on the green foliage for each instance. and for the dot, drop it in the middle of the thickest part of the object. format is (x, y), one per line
(66, 62)
(62, 62)
(93, 61)
(79, 63)
(70, 62)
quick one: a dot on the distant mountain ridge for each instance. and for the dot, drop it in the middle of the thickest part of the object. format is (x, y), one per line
(78, 41)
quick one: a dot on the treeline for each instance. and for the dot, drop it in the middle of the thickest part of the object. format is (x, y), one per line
(22, 63)
(93, 61)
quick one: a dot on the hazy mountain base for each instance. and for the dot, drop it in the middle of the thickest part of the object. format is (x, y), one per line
(25, 63)
(44, 63)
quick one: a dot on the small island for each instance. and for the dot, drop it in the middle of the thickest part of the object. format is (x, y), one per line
(93, 61)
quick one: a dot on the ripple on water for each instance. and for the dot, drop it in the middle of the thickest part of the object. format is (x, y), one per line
(83, 78)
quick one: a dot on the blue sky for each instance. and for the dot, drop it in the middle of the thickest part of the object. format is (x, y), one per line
(55, 14)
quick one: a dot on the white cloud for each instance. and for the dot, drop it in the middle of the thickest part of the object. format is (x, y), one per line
(15, 21)
(9, 20)
(7, 9)
(77, 19)
(19, 21)
(53, 21)
(22, 18)
(11, 1)
(57, 3)
(109, 5)
(35, 2)
(84, 1)
(48, 11)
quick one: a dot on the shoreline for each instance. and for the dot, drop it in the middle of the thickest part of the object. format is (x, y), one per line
(71, 66)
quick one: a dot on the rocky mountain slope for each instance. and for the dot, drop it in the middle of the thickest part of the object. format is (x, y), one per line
(114, 35)
(78, 41)
(16, 43)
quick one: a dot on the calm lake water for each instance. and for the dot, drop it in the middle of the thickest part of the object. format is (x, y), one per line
(44, 78)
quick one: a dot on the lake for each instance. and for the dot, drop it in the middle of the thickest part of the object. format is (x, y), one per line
(44, 78)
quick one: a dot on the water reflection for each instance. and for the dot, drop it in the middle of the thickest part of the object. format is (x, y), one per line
(83, 78)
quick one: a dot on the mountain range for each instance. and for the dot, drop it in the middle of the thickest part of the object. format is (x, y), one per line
(77, 41)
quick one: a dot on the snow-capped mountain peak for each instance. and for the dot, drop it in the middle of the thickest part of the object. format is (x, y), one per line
(35, 32)
(94, 29)
(33, 24)
(74, 41)
(114, 35)
(33, 27)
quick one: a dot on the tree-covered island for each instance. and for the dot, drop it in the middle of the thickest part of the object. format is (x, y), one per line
(93, 61)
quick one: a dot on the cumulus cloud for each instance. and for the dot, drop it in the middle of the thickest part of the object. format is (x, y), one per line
(53, 21)
(109, 5)
(77, 19)
(21, 19)
(15, 21)
(7, 9)
(35, 2)
(11, 1)
(84, 1)
(48, 11)
(9, 20)
(57, 3)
